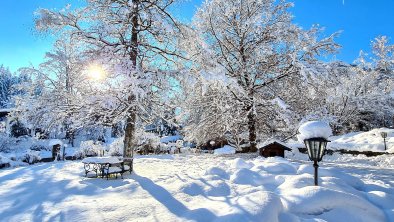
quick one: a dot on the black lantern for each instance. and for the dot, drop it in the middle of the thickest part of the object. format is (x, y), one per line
(316, 147)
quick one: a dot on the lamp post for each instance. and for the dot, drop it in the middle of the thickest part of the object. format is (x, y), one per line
(316, 147)
(384, 135)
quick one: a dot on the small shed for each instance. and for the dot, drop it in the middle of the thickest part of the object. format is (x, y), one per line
(273, 148)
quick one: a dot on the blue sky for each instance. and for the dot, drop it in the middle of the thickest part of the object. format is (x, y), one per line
(360, 20)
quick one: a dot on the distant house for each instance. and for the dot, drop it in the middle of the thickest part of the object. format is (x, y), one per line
(274, 148)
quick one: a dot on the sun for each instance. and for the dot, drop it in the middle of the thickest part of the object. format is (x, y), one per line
(95, 72)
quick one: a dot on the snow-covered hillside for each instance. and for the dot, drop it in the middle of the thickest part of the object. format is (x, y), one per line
(197, 188)
(358, 141)
(364, 141)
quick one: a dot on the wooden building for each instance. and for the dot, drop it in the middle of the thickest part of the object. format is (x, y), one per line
(273, 149)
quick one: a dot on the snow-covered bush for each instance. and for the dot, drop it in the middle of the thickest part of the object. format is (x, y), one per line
(4, 160)
(164, 148)
(225, 150)
(145, 138)
(147, 142)
(26, 143)
(39, 147)
(6, 143)
(89, 148)
(17, 129)
(116, 147)
(31, 157)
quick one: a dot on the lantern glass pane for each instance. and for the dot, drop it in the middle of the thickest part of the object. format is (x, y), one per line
(315, 149)
(310, 149)
(323, 145)
(307, 148)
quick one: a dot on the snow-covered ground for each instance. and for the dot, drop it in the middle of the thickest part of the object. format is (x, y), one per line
(364, 141)
(200, 188)
(358, 141)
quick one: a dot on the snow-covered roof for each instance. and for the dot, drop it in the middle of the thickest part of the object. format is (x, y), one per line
(270, 141)
(6, 110)
(273, 141)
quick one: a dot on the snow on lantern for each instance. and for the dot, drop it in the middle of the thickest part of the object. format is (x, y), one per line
(315, 136)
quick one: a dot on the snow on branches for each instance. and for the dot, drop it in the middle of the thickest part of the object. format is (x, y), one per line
(253, 44)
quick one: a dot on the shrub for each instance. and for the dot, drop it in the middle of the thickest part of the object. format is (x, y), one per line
(6, 143)
(31, 157)
(89, 148)
(116, 147)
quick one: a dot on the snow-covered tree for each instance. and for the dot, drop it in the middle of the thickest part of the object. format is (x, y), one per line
(54, 94)
(135, 39)
(351, 97)
(8, 83)
(375, 78)
(252, 44)
(208, 111)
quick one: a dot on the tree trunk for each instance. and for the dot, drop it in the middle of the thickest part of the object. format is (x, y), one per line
(128, 150)
(70, 135)
(252, 129)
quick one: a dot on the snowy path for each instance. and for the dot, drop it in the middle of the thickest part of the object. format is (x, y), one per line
(198, 188)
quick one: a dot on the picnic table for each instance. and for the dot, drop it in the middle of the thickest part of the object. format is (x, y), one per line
(105, 166)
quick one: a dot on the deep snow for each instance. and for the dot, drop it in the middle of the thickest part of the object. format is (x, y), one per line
(314, 129)
(357, 141)
(199, 188)
(364, 141)
(225, 150)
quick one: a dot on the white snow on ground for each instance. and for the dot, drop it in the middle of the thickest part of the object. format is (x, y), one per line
(53, 142)
(364, 141)
(225, 150)
(4, 159)
(357, 141)
(168, 139)
(198, 188)
(313, 129)
(383, 161)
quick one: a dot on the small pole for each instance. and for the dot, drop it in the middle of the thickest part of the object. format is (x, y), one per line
(316, 166)
(64, 152)
(384, 135)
